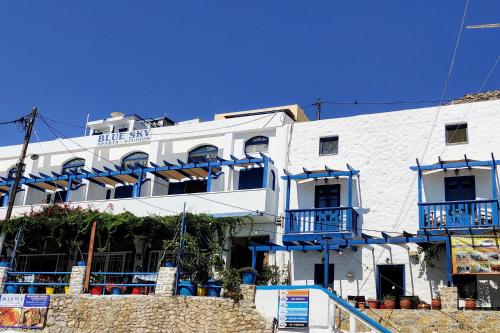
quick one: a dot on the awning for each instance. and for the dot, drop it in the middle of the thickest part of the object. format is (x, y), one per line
(455, 164)
(320, 173)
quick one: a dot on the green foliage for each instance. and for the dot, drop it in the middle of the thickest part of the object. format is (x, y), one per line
(269, 275)
(231, 282)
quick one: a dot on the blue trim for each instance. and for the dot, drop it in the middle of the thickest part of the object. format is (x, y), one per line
(265, 173)
(449, 276)
(328, 173)
(454, 165)
(337, 299)
(254, 259)
(326, 263)
(209, 177)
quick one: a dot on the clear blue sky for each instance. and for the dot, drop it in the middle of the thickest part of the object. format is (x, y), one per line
(195, 58)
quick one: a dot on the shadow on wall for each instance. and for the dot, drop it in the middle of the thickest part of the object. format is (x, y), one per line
(488, 292)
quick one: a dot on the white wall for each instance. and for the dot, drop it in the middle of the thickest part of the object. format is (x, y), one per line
(383, 146)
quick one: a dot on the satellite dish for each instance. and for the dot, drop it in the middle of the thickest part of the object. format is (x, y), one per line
(34, 157)
(117, 114)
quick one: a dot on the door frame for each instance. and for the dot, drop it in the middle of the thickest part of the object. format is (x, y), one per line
(379, 280)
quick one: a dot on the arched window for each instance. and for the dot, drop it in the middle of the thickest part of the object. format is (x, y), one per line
(257, 144)
(203, 154)
(73, 166)
(135, 160)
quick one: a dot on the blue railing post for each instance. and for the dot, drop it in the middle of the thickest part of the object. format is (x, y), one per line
(209, 177)
(420, 208)
(287, 207)
(254, 258)
(8, 195)
(137, 186)
(265, 172)
(68, 189)
(494, 192)
(326, 263)
(449, 272)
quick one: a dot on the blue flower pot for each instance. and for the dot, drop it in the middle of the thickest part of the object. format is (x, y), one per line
(186, 288)
(249, 277)
(116, 291)
(81, 263)
(10, 289)
(31, 290)
(214, 291)
(169, 264)
(4, 264)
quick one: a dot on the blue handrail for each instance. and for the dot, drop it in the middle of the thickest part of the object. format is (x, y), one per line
(320, 220)
(360, 315)
(39, 273)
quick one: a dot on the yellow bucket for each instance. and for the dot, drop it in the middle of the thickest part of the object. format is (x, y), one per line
(49, 290)
(201, 291)
(66, 290)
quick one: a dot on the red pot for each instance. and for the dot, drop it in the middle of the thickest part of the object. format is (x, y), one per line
(97, 290)
(390, 304)
(373, 304)
(361, 305)
(436, 304)
(137, 291)
(405, 304)
(470, 304)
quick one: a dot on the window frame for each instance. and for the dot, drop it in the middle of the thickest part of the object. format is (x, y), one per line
(199, 148)
(456, 127)
(250, 142)
(124, 166)
(322, 139)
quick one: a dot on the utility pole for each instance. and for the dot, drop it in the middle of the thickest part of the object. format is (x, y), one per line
(318, 109)
(19, 171)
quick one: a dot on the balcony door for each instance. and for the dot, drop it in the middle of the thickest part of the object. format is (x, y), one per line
(327, 220)
(460, 189)
(327, 196)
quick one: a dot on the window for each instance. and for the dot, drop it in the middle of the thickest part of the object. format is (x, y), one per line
(203, 154)
(329, 146)
(74, 166)
(190, 186)
(257, 144)
(97, 132)
(135, 160)
(456, 134)
(123, 129)
(124, 191)
(250, 179)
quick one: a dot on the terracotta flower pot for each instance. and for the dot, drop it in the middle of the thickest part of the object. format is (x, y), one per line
(362, 305)
(436, 304)
(382, 306)
(390, 304)
(470, 304)
(424, 306)
(405, 304)
(373, 304)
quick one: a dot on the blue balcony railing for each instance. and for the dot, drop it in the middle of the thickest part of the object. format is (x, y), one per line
(458, 214)
(321, 220)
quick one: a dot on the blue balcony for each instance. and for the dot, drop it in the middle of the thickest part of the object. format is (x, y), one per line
(324, 221)
(458, 214)
(318, 224)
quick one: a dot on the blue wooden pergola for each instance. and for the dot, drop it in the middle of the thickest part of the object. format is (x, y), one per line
(432, 215)
(181, 171)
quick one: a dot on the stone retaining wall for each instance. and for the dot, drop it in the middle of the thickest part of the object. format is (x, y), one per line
(431, 321)
(152, 313)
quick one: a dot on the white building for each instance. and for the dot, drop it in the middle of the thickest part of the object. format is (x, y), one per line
(333, 184)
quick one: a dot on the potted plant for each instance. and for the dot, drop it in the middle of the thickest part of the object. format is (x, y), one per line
(136, 290)
(372, 303)
(390, 302)
(248, 275)
(65, 279)
(81, 263)
(361, 305)
(185, 287)
(32, 290)
(405, 303)
(269, 275)
(423, 305)
(436, 303)
(213, 288)
(231, 282)
(470, 304)
(97, 290)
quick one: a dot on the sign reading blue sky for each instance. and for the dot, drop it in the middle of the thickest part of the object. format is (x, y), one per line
(190, 59)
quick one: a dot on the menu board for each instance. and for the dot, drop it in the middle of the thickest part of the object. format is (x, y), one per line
(293, 308)
(23, 311)
(476, 255)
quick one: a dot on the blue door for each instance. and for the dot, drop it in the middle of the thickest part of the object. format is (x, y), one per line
(327, 196)
(457, 190)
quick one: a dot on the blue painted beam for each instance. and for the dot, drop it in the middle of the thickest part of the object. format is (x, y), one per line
(454, 165)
